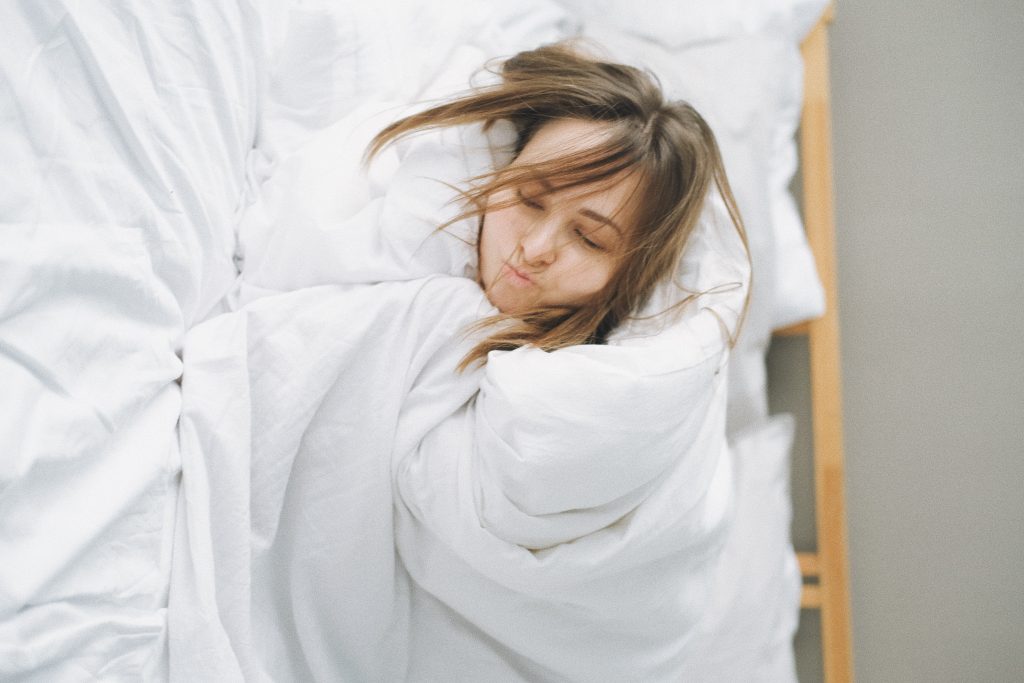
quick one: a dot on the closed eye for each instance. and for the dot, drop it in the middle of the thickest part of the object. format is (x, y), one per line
(587, 241)
(529, 201)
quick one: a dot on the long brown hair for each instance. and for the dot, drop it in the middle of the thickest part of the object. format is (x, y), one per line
(668, 144)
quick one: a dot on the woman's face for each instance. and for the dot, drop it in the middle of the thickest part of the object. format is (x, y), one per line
(553, 247)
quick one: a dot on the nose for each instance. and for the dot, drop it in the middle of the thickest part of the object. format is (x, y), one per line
(539, 244)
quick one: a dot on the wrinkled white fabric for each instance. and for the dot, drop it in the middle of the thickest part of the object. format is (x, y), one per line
(291, 414)
(127, 133)
(125, 130)
(567, 505)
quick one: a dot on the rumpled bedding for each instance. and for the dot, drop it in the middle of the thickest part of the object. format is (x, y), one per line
(149, 155)
(548, 495)
(125, 139)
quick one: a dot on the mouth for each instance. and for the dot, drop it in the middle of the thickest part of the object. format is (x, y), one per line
(516, 277)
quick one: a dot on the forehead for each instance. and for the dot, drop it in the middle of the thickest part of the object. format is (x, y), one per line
(561, 137)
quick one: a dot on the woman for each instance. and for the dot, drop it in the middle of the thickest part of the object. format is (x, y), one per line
(381, 496)
(593, 140)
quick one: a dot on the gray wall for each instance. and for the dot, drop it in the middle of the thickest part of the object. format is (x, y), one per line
(928, 131)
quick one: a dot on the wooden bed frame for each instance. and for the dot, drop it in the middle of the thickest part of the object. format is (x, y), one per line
(825, 572)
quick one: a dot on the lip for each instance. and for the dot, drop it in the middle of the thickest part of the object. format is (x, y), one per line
(516, 277)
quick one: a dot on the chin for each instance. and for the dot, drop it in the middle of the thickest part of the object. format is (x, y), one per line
(509, 308)
(506, 301)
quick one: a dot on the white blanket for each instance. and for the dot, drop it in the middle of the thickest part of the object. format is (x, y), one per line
(125, 131)
(567, 507)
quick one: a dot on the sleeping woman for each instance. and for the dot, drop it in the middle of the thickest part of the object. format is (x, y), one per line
(606, 183)
(497, 457)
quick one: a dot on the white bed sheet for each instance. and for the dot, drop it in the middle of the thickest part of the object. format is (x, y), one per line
(124, 133)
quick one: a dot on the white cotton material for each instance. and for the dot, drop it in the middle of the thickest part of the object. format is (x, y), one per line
(747, 630)
(138, 140)
(676, 25)
(124, 133)
(568, 505)
(754, 121)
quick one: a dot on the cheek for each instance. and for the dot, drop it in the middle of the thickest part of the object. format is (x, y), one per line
(602, 275)
(483, 253)
(589, 276)
(492, 245)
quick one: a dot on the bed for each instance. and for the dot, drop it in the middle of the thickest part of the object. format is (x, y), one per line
(153, 154)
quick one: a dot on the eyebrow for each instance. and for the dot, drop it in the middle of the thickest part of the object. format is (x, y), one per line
(593, 215)
(601, 219)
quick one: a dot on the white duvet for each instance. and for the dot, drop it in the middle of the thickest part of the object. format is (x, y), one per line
(560, 512)
(124, 136)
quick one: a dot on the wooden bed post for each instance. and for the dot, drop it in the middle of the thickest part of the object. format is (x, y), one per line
(823, 340)
(829, 564)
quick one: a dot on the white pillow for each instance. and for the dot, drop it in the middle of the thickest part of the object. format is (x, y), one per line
(326, 58)
(754, 119)
(676, 24)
